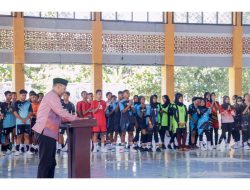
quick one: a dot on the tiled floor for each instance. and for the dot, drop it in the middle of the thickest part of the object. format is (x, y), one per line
(168, 164)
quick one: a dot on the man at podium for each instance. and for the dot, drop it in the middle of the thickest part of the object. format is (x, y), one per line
(49, 117)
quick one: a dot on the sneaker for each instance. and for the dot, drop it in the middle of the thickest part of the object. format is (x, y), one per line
(109, 147)
(13, 149)
(132, 149)
(58, 151)
(17, 153)
(136, 147)
(235, 146)
(104, 149)
(143, 149)
(218, 147)
(65, 148)
(113, 148)
(22, 149)
(176, 147)
(29, 152)
(214, 146)
(209, 147)
(94, 150)
(158, 149)
(202, 147)
(8, 151)
(170, 147)
(246, 147)
(150, 149)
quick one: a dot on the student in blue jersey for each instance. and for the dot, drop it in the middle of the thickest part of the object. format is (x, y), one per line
(1, 127)
(180, 117)
(153, 120)
(23, 112)
(9, 121)
(127, 121)
(141, 118)
(165, 119)
(137, 128)
(204, 125)
(110, 115)
(117, 118)
(193, 120)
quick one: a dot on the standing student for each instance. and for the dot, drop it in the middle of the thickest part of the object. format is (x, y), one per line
(238, 107)
(193, 121)
(69, 107)
(8, 122)
(153, 120)
(35, 106)
(108, 102)
(14, 137)
(84, 107)
(110, 115)
(227, 120)
(141, 118)
(137, 128)
(165, 120)
(23, 112)
(245, 122)
(117, 118)
(99, 107)
(1, 127)
(180, 120)
(215, 110)
(127, 120)
(79, 104)
(204, 125)
(49, 117)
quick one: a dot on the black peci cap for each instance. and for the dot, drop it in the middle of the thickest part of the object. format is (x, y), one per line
(60, 81)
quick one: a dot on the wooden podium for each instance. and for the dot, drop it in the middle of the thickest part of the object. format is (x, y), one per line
(79, 136)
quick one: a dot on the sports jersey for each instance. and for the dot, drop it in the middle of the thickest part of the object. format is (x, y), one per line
(99, 116)
(9, 119)
(83, 106)
(23, 109)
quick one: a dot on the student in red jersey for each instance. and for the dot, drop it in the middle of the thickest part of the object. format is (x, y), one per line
(79, 104)
(84, 107)
(99, 109)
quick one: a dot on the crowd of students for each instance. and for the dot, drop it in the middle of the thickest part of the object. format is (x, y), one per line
(136, 124)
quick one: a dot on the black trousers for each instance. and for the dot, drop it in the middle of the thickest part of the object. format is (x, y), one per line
(216, 136)
(226, 127)
(47, 154)
(162, 133)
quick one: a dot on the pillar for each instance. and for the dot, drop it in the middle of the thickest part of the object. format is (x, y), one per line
(96, 66)
(235, 71)
(18, 52)
(167, 70)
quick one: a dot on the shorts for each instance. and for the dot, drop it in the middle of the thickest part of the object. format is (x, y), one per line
(99, 129)
(142, 124)
(111, 129)
(154, 129)
(117, 128)
(110, 125)
(7, 131)
(127, 127)
(23, 128)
